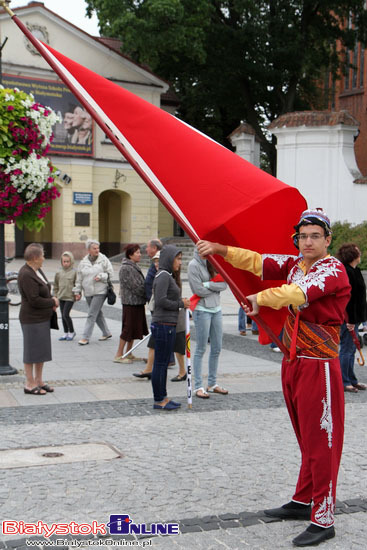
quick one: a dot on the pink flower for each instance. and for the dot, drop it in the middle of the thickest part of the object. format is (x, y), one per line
(10, 108)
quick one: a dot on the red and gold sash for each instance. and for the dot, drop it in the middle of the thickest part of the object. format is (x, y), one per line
(307, 339)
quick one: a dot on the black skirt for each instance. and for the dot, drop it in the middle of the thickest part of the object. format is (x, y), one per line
(134, 323)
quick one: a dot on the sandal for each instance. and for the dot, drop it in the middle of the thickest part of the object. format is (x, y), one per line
(179, 378)
(201, 393)
(47, 388)
(217, 389)
(360, 386)
(350, 389)
(34, 391)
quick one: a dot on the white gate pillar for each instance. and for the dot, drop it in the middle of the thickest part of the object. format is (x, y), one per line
(315, 153)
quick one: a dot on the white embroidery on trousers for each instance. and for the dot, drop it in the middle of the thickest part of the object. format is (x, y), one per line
(326, 421)
(325, 513)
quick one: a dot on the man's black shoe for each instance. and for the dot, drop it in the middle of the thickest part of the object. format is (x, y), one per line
(287, 511)
(309, 538)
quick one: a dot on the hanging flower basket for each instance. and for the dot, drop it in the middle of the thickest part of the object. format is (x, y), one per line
(26, 175)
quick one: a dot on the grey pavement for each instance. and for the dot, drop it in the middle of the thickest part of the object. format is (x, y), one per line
(212, 468)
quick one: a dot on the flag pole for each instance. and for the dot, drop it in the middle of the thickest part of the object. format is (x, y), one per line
(188, 359)
(125, 153)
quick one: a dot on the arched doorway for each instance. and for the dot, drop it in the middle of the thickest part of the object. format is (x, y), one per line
(114, 221)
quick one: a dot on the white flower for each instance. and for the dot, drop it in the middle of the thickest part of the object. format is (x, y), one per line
(34, 177)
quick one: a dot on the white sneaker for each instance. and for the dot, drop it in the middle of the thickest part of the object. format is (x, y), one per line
(276, 350)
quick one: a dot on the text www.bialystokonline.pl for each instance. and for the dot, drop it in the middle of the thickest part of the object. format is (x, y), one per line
(93, 542)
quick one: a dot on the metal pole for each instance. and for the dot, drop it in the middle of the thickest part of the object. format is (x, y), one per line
(5, 368)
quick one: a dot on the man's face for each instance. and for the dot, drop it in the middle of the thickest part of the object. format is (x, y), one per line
(68, 120)
(312, 242)
(151, 250)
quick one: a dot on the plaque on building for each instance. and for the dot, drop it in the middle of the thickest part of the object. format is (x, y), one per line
(82, 219)
(82, 198)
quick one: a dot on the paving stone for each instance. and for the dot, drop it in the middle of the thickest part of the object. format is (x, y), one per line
(190, 529)
(267, 519)
(190, 521)
(228, 516)
(209, 519)
(249, 521)
(14, 543)
(355, 502)
(207, 526)
(229, 524)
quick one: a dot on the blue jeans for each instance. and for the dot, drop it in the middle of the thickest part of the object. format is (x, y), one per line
(346, 355)
(207, 325)
(242, 321)
(164, 336)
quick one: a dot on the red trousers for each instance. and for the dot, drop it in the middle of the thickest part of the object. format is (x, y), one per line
(314, 394)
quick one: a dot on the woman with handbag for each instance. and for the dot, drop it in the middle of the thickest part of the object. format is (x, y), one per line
(92, 276)
(133, 298)
(36, 310)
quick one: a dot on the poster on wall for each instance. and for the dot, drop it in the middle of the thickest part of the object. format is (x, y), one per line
(72, 136)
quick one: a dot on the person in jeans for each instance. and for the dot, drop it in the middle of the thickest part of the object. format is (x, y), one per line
(350, 255)
(208, 323)
(63, 288)
(92, 276)
(167, 303)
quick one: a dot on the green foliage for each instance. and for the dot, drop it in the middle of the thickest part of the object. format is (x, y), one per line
(234, 60)
(346, 233)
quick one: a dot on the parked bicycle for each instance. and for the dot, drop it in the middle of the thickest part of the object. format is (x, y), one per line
(12, 284)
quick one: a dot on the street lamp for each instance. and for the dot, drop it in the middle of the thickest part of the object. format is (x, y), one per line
(5, 367)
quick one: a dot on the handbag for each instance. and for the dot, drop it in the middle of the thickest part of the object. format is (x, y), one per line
(53, 321)
(111, 296)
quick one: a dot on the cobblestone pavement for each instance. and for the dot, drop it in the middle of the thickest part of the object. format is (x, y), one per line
(212, 468)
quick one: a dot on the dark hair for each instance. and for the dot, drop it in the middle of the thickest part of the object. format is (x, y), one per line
(33, 251)
(348, 252)
(177, 274)
(211, 269)
(130, 249)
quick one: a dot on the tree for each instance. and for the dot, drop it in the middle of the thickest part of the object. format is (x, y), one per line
(236, 60)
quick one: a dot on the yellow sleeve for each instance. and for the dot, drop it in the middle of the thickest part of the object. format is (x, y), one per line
(245, 259)
(281, 296)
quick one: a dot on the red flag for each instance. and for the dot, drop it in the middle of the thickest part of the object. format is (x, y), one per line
(211, 192)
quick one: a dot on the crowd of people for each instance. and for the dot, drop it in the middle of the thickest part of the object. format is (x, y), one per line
(161, 290)
(326, 300)
(166, 308)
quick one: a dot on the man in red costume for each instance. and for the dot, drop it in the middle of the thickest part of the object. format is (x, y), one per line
(316, 293)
